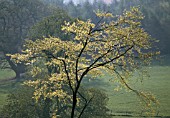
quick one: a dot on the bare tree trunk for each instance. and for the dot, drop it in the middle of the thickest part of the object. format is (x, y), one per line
(74, 104)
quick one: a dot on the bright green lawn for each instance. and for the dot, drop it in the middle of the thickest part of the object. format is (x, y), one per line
(126, 103)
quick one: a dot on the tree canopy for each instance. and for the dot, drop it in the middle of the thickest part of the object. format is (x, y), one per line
(118, 47)
(50, 26)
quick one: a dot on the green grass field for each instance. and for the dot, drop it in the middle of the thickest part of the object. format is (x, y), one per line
(6, 74)
(128, 103)
(120, 103)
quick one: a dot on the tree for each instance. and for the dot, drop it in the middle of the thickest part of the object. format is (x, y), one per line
(50, 26)
(118, 47)
(16, 17)
(72, 10)
(20, 104)
(157, 22)
(59, 3)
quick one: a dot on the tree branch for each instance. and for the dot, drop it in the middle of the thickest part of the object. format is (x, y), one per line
(65, 68)
(144, 97)
(104, 63)
(86, 104)
(68, 78)
(77, 60)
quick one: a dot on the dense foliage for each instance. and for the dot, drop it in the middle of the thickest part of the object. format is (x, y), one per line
(119, 47)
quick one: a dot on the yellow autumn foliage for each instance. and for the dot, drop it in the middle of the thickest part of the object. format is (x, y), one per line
(118, 47)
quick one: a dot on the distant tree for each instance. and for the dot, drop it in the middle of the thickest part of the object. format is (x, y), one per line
(20, 104)
(72, 10)
(118, 47)
(97, 107)
(16, 18)
(50, 26)
(87, 11)
(58, 3)
(157, 22)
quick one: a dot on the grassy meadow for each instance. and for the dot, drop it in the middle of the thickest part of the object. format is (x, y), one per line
(122, 103)
(6, 84)
(127, 103)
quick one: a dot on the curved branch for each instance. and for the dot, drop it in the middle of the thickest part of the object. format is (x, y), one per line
(140, 94)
